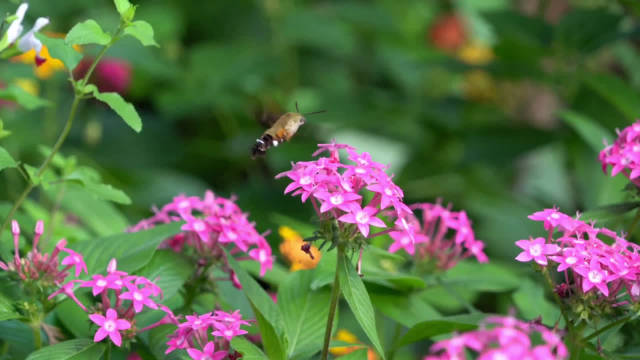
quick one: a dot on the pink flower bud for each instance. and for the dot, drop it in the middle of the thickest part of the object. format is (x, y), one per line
(113, 264)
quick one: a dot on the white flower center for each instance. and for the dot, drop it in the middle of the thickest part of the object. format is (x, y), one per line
(198, 226)
(595, 276)
(362, 217)
(388, 191)
(262, 256)
(405, 240)
(360, 170)
(197, 323)
(336, 199)
(183, 204)
(76, 258)
(555, 216)
(137, 296)
(101, 283)
(535, 250)
(306, 180)
(228, 333)
(118, 282)
(571, 260)
(231, 235)
(109, 325)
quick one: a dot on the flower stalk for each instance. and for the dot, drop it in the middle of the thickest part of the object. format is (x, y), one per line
(335, 297)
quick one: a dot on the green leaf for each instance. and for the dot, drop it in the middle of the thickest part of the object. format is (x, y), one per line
(429, 329)
(406, 310)
(6, 161)
(132, 250)
(360, 354)
(60, 50)
(156, 339)
(588, 129)
(87, 32)
(358, 299)
(73, 317)
(531, 302)
(617, 92)
(68, 350)
(607, 212)
(22, 97)
(142, 31)
(491, 277)
(271, 340)
(7, 311)
(124, 109)
(248, 350)
(18, 336)
(108, 192)
(122, 5)
(305, 314)
(170, 269)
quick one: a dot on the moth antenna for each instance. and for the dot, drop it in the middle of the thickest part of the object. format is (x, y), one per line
(315, 112)
(297, 110)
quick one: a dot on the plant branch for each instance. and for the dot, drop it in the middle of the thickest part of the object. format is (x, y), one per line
(335, 297)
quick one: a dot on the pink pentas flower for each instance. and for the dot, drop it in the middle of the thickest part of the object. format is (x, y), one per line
(208, 353)
(440, 235)
(227, 330)
(110, 325)
(212, 224)
(536, 249)
(75, 259)
(363, 218)
(501, 338)
(623, 156)
(139, 297)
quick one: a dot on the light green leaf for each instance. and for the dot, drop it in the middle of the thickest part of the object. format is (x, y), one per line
(73, 317)
(532, 303)
(170, 269)
(142, 31)
(87, 32)
(431, 328)
(60, 50)
(588, 129)
(108, 192)
(3, 133)
(68, 350)
(273, 344)
(132, 250)
(358, 299)
(305, 314)
(124, 109)
(248, 350)
(122, 6)
(360, 354)
(404, 309)
(23, 98)
(6, 161)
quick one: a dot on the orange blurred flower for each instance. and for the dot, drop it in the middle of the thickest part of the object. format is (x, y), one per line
(348, 337)
(447, 32)
(475, 53)
(291, 246)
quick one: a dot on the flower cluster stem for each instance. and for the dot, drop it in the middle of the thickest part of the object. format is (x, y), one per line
(37, 336)
(335, 297)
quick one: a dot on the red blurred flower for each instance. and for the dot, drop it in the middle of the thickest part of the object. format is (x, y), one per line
(447, 33)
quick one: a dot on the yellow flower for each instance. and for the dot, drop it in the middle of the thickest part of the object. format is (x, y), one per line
(290, 248)
(348, 337)
(27, 85)
(478, 85)
(475, 53)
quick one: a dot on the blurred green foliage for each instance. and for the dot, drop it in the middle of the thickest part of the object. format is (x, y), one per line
(501, 135)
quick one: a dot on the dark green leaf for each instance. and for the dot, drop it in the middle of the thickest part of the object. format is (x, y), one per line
(87, 32)
(22, 97)
(7, 311)
(429, 329)
(589, 130)
(60, 50)
(616, 92)
(170, 269)
(609, 211)
(305, 314)
(6, 161)
(73, 317)
(156, 339)
(358, 299)
(587, 30)
(19, 337)
(67, 350)
(248, 350)
(406, 310)
(142, 31)
(531, 302)
(132, 250)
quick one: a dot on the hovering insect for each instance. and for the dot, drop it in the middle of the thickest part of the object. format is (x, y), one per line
(281, 130)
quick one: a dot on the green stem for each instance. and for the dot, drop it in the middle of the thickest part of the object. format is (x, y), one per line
(37, 336)
(107, 355)
(611, 325)
(335, 297)
(556, 297)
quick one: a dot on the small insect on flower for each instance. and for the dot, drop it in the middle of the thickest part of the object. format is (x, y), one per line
(280, 131)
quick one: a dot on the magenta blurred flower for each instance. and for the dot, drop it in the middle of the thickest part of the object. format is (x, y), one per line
(208, 353)
(211, 224)
(110, 75)
(624, 154)
(110, 326)
(575, 247)
(501, 338)
(444, 236)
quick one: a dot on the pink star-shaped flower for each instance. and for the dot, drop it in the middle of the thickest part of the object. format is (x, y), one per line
(363, 218)
(138, 297)
(536, 249)
(110, 326)
(75, 259)
(207, 353)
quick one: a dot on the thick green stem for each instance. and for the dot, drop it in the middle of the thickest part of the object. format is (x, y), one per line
(107, 355)
(37, 335)
(335, 297)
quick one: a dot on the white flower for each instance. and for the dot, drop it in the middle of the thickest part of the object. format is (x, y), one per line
(15, 29)
(29, 41)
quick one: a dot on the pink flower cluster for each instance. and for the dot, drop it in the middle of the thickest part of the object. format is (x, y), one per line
(194, 334)
(587, 261)
(444, 236)
(337, 189)
(37, 266)
(122, 297)
(502, 338)
(211, 223)
(624, 155)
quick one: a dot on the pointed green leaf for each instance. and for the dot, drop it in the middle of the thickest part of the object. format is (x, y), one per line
(429, 329)
(126, 110)
(132, 250)
(142, 31)
(617, 92)
(360, 354)
(58, 49)
(6, 161)
(108, 192)
(272, 342)
(588, 129)
(122, 6)
(248, 350)
(87, 32)
(76, 349)
(170, 269)
(358, 299)
(23, 98)
(305, 314)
